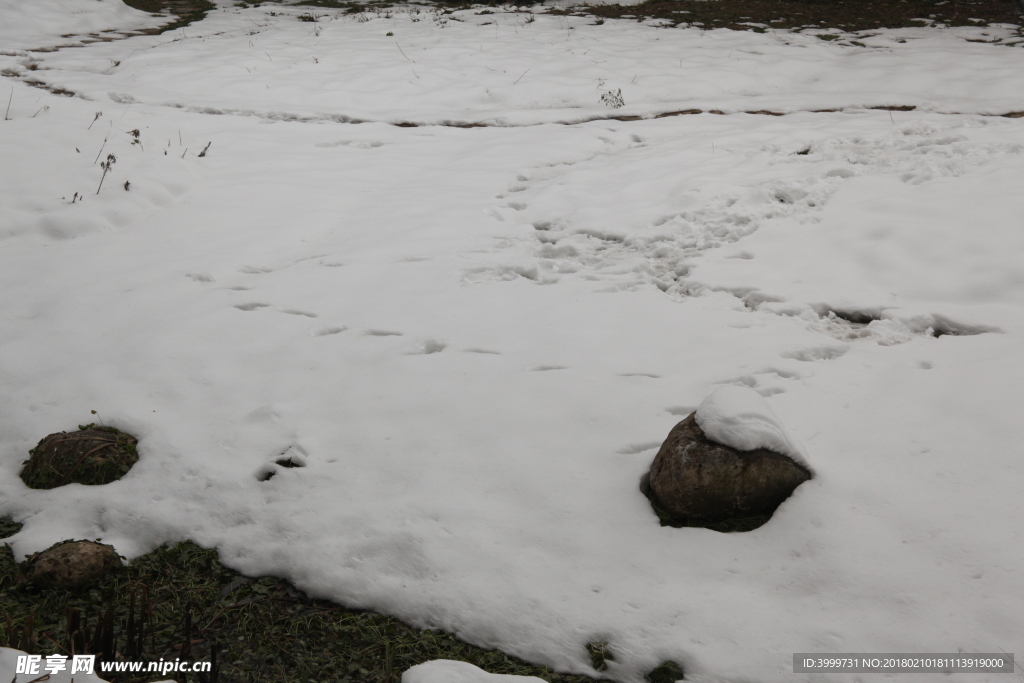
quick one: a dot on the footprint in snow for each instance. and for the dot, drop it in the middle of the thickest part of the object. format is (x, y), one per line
(814, 353)
(429, 346)
(256, 270)
(327, 331)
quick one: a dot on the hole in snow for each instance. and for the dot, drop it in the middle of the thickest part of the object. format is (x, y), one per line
(862, 316)
(942, 326)
(250, 307)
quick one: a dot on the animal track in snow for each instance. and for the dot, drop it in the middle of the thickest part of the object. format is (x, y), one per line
(382, 333)
(327, 331)
(429, 346)
(251, 306)
(883, 326)
(256, 270)
(813, 353)
(572, 238)
(292, 311)
(290, 458)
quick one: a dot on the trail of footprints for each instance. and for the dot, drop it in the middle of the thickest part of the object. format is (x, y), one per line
(660, 256)
(661, 253)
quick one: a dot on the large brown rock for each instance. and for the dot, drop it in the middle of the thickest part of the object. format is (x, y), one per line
(694, 478)
(73, 564)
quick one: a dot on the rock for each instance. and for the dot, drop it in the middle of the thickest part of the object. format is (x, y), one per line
(73, 564)
(695, 478)
(92, 455)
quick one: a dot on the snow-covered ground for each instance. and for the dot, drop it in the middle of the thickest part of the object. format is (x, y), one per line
(475, 338)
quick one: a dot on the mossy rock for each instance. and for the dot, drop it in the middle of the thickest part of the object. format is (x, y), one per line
(92, 456)
(72, 565)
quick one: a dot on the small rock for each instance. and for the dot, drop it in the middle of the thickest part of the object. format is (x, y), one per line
(73, 564)
(695, 478)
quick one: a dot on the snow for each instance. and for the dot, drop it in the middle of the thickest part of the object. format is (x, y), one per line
(449, 671)
(739, 417)
(46, 23)
(476, 338)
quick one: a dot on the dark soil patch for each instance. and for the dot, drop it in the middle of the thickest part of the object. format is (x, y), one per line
(180, 601)
(848, 15)
(349, 7)
(92, 456)
(187, 11)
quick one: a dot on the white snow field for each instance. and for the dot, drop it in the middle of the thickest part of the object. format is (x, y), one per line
(476, 338)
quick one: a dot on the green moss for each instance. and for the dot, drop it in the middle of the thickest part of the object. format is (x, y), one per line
(8, 527)
(262, 628)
